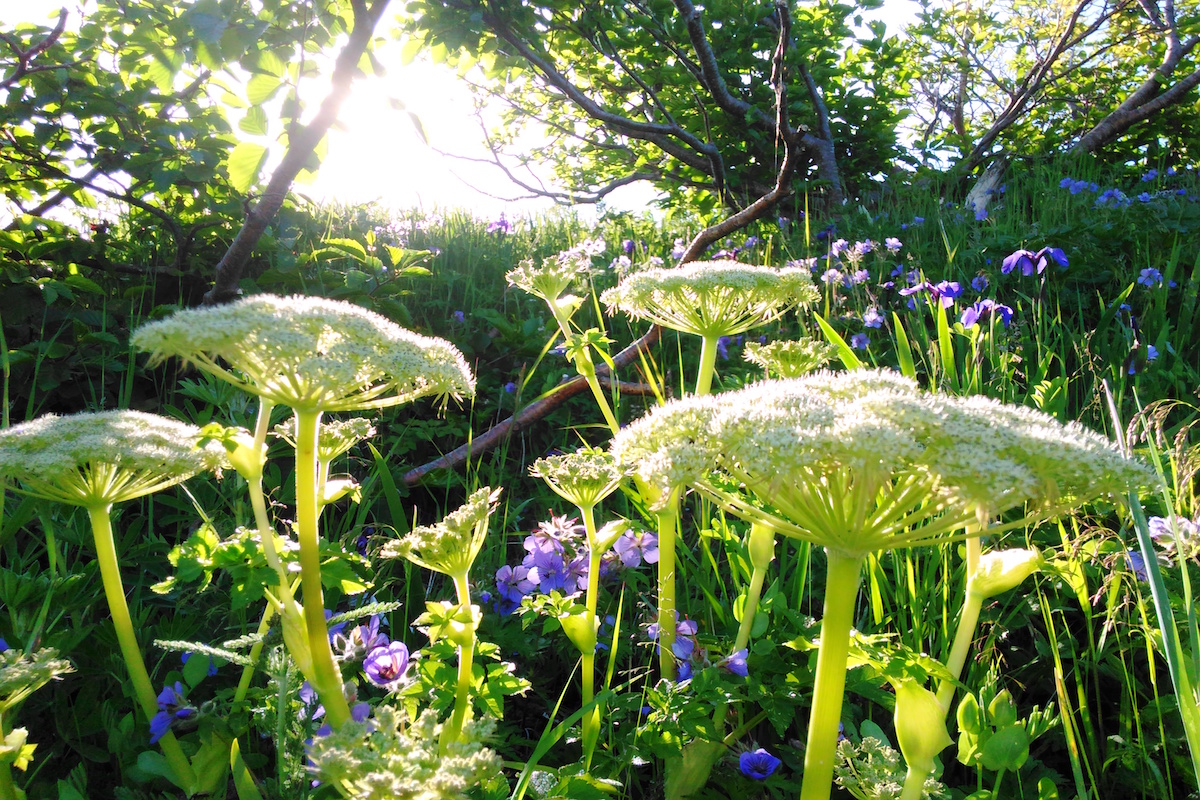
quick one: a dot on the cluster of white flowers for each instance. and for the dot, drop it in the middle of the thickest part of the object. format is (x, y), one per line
(388, 758)
(450, 546)
(335, 437)
(103, 457)
(864, 460)
(711, 298)
(558, 273)
(584, 477)
(310, 353)
(790, 359)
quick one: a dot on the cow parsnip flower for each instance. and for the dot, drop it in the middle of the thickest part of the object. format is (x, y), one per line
(711, 298)
(310, 353)
(584, 477)
(104, 457)
(335, 437)
(449, 546)
(789, 359)
(864, 460)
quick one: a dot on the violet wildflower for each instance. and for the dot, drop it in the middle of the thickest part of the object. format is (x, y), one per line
(385, 666)
(1137, 565)
(892, 244)
(459, 317)
(758, 765)
(634, 547)
(678, 249)
(500, 226)
(918, 220)
(1144, 197)
(736, 663)
(363, 639)
(173, 708)
(513, 582)
(1019, 258)
(860, 341)
(1150, 277)
(859, 276)
(946, 292)
(723, 347)
(549, 572)
(685, 638)
(981, 214)
(979, 283)
(627, 246)
(1065, 182)
(871, 318)
(1048, 254)
(839, 246)
(510, 387)
(831, 276)
(750, 243)
(1150, 176)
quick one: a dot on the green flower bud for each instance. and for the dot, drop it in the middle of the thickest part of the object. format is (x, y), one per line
(762, 545)
(580, 629)
(920, 725)
(1001, 570)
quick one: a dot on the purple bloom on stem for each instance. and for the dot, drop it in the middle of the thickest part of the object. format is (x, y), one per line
(979, 283)
(723, 347)
(1048, 254)
(918, 220)
(839, 246)
(736, 663)
(758, 765)
(513, 582)
(1065, 182)
(459, 317)
(172, 707)
(1137, 565)
(627, 246)
(871, 318)
(634, 547)
(3, 646)
(1150, 175)
(500, 226)
(946, 291)
(981, 214)
(1150, 277)
(831, 276)
(577, 573)
(510, 387)
(385, 665)
(892, 244)
(860, 341)
(750, 243)
(1020, 258)
(365, 638)
(548, 571)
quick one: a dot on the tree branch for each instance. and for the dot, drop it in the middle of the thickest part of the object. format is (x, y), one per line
(300, 146)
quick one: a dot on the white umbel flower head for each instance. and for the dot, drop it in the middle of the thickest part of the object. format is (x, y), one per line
(790, 359)
(104, 457)
(335, 437)
(864, 460)
(310, 353)
(451, 546)
(711, 298)
(584, 477)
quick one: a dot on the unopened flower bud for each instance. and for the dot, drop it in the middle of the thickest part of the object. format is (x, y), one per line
(920, 725)
(1001, 570)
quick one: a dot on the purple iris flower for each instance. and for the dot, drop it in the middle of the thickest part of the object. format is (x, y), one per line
(501, 226)
(758, 765)
(946, 291)
(1020, 258)
(1048, 254)
(385, 665)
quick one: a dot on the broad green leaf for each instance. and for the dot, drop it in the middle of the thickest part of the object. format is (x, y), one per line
(254, 122)
(845, 353)
(244, 163)
(243, 781)
(903, 350)
(262, 88)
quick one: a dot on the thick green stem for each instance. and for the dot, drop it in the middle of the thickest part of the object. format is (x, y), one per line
(750, 609)
(587, 369)
(591, 720)
(326, 677)
(114, 592)
(965, 634)
(708, 363)
(841, 593)
(914, 784)
(266, 531)
(668, 518)
(462, 696)
(8, 790)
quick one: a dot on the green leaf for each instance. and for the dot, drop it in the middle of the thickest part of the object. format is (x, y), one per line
(946, 348)
(1007, 749)
(254, 122)
(243, 781)
(846, 354)
(903, 350)
(261, 88)
(244, 163)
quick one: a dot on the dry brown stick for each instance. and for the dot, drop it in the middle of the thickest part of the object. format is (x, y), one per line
(538, 409)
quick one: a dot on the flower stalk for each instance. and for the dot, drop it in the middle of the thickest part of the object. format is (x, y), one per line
(114, 593)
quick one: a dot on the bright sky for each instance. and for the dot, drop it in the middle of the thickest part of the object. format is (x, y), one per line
(378, 155)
